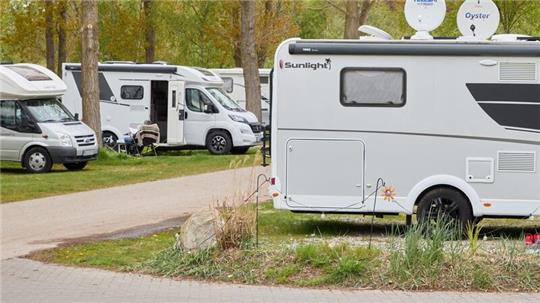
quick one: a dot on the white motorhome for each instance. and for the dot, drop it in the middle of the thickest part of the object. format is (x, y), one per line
(188, 104)
(233, 79)
(450, 126)
(36, 129)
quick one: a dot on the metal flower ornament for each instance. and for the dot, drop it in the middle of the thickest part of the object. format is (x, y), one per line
(389, 193)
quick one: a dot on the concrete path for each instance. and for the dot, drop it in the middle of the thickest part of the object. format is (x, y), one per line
(45, 222)
(30, 281)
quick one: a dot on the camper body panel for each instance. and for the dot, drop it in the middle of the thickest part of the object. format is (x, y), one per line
(440, 135)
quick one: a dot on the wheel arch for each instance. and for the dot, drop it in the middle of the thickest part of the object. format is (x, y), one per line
(28, 146)
(429, 183)
(213, 129)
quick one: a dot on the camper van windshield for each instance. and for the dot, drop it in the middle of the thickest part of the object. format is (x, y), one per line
(224, 99)
(48, 110)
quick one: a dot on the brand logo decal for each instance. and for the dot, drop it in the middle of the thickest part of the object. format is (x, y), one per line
(425, 2)
(326, 64)
(476, 16)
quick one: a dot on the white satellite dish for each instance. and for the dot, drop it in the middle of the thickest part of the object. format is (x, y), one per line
(374, 32)
(478, 19)
(424, 16)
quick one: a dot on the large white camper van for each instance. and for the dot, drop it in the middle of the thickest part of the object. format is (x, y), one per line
(188, 104)
(36, 129)
(448, 126)
(234, 85)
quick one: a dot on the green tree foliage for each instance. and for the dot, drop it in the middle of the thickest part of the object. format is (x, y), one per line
(207, 33)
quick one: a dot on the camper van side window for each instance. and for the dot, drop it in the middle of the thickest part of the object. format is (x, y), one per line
(228, 84)
(13, 117)
(195, 100)
(133, 92)
(373, 87)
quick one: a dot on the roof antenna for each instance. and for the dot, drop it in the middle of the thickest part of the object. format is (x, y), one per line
(424, 17)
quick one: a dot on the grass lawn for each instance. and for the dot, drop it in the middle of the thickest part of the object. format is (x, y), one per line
(308, 250)
(112, 169)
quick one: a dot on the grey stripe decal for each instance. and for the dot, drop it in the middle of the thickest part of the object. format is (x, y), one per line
(505, 92)
(105, 92)
(413, 49)
(418, 134)
(514, 115)
(134, 68)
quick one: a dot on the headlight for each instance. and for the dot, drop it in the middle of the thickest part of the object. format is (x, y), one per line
(238, 119)
(65, 139)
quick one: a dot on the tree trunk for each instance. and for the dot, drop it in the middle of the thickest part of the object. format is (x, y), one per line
(49, 42)
(355, 16)
(237, 37)
(62, 20)
(249, 58)
(149, 30)
(351, 20)
(89, 66)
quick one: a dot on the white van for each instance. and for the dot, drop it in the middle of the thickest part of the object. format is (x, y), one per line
(449, 126)
(188, 104)
(36, 129)
(234, 85)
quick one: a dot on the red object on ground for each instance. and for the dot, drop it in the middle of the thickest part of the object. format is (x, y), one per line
(531, 239)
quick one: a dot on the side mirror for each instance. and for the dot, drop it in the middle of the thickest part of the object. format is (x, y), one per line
(209, 109)
(76, 116)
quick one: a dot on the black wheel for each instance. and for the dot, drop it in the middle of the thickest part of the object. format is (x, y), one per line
(109, 139)
(76, 165)
(219, 142)
(444, 203)
(239, 150)
(37, 160)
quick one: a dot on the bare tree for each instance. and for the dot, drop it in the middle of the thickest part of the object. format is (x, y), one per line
(89, 66)
(149, 31)
(249, 58)
(356, 13)
(61, 30)
(49, 42)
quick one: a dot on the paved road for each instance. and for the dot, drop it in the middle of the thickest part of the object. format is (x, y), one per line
(43, 223)
(30, 281)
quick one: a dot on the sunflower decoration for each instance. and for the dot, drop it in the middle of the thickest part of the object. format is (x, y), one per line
(389, 193)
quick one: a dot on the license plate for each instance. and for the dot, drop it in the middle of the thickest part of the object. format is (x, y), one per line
(89, 152)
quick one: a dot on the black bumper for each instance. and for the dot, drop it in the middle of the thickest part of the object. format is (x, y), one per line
(60, 154)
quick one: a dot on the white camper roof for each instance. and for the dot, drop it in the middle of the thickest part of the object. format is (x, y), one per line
(189, 74)
(29, 81)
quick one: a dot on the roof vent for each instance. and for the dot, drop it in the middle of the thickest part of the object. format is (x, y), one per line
(517, 71)
(516, 161)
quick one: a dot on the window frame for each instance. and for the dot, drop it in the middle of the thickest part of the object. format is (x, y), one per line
(200, 91)
(378, 69)
(131, 85)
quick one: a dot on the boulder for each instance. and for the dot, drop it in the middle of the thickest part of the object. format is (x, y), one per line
(199, 231)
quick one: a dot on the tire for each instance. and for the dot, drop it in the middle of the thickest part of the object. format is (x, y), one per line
(240, 150)
(446, 203)
(109, 139)
(37, 160)
(76, 165)
(218, 142)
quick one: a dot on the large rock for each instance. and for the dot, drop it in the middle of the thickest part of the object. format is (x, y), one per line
(199, 231)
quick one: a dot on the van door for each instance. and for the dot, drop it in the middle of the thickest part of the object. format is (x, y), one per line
(197, 122)
(325, 173)
(17, 130)
(176, 113)
(131, 108)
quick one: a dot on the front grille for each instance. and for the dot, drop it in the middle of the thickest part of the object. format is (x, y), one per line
(256, 127)
(86, 140)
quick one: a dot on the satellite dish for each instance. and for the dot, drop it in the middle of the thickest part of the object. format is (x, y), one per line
(478, 19)
(424, 16)
(374, 32)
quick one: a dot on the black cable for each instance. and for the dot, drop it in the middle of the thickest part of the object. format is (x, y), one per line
(373, 212)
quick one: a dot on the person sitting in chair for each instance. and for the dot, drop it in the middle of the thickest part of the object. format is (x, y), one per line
(148, 132)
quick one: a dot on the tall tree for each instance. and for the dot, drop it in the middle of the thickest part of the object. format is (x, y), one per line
(149, 31)
(49, 27)
(356, 13)
(61, 32)
(512, 11)
(89, 66)
(249, 58)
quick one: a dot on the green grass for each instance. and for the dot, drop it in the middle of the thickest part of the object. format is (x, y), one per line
(111, 169)
(307, 250)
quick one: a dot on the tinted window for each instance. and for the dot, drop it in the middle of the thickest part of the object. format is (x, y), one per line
(134, 92)
(195, 100)
(264, 79)
(30, 74)
(13, 117)
(372, 87)
(228, 84)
